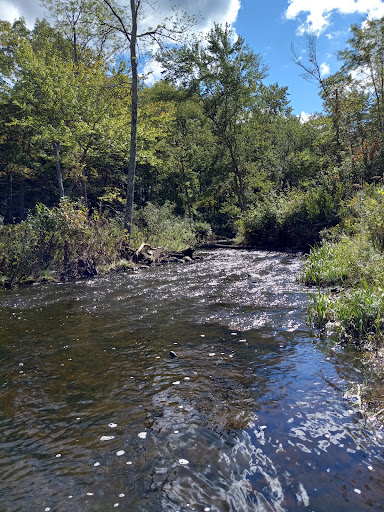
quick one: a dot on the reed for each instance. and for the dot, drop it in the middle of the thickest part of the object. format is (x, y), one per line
(320, 310)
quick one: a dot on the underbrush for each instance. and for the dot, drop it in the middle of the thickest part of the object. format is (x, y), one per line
(68, 241)
(351, 266)
(58, 243)
(159, 227)
(292, 220)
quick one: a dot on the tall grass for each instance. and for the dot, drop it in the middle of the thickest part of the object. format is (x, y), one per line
(320, 310)
(354, 263)
(361, 314)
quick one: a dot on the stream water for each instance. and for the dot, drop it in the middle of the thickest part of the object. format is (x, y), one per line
(253, 415)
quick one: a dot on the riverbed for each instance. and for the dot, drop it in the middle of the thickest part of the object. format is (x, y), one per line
(254, 414)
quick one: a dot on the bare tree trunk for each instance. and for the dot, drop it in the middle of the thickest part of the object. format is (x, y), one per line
(22, 198)
(133, 143)
(9, 211)
(75, 55)
(56, 147)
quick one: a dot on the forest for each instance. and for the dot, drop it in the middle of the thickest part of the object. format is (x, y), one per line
(96, 159)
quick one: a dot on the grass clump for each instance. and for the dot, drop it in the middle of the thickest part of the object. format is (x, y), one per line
(319, 312)
(353, 262)
(361, 315)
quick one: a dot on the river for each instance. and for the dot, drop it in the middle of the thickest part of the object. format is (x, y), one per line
(255, 413)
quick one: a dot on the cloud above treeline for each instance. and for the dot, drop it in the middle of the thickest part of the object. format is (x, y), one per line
(207, 11)
(318, 13)
(11, 10)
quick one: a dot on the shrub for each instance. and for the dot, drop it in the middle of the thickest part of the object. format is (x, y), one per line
(64, 240)
(158, 226)
(292, 220)
(203, 231)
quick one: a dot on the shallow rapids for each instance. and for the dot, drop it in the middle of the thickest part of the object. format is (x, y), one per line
(252, 416)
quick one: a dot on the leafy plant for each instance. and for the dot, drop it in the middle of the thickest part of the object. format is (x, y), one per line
(320, 311)
(158, 226)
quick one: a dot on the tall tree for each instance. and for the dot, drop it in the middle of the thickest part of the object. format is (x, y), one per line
(331, 89)
(90, 41)
(227, 77)
(363, 62)
(132, 23)
(68, 107)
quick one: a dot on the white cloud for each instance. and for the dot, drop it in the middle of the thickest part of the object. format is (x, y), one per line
(318, 12)
(304, 117)
(209, 11)
(11, 10)
(324, 69)
(8, 11)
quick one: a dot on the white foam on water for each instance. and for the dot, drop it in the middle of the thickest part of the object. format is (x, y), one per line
(302, 496)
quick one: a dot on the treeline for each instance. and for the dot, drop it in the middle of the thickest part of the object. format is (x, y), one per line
(216, 146)
(213, 146)
(213, 139)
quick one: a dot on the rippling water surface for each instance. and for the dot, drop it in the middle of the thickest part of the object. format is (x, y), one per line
(252, 415)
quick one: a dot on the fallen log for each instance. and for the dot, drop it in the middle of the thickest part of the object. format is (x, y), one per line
(158, 256)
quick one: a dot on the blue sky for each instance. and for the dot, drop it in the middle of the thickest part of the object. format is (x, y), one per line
(266, 29)
(269, 28)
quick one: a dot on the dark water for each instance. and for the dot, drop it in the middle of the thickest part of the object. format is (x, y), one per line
(252, 416)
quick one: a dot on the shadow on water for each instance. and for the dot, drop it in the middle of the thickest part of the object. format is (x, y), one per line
(252, 416)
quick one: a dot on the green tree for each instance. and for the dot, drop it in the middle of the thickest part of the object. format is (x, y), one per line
(244, 116)
(129, 22)
(89, 41)
(363, 63)
(68, 107)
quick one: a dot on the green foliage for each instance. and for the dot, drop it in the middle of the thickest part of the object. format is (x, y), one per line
(335, 263)
(319, 311)
(159, 227)
(371, 214)
(354, 261)
(203, 231)
(358, 315)
(361, 313)
(64, 241)
(293, 219)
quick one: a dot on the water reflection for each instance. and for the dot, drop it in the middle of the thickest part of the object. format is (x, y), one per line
(251, 416)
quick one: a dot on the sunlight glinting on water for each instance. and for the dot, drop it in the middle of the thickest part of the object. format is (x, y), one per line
(251, 415)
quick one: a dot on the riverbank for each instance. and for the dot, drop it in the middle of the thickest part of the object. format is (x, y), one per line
(347, 269)
(69, 242)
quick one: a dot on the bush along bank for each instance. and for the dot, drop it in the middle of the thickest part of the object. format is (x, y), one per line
(67, 241)
(347, 268)
(289, 221)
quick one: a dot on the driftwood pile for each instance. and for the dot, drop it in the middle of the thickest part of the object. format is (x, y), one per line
(149, 256)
